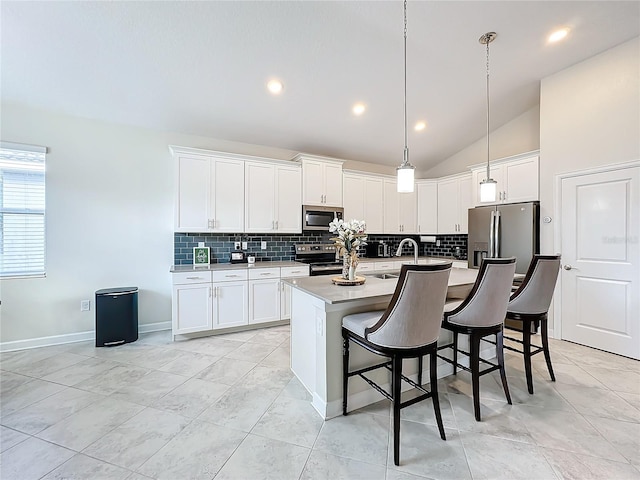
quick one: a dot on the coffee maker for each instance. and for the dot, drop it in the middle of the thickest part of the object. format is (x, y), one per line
(378, 250)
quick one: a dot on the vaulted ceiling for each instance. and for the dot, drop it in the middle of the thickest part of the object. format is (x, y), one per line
(201, 67)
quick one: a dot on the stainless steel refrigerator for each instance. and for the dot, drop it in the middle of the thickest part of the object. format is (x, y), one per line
(507, 230)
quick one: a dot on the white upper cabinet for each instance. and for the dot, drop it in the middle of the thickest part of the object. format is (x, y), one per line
(209, 193)
(273, 200)
(454, 201)
(427, 193)
(364, 200)
(321, 181)
(399, 210)
(517, 178)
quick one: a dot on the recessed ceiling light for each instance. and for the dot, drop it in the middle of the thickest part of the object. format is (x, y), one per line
(275, 86)
(558, 35)
(420, 126)
(359, 108)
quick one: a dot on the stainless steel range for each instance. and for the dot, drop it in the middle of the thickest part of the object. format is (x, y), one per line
(321, 258)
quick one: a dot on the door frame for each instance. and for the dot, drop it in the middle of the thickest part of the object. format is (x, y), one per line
(557, 232)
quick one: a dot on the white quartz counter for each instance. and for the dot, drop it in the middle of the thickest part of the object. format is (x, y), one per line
(322, 288)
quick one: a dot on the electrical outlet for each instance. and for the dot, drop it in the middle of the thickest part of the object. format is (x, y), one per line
(437, 243)
(236, 245)
(263, 245)
(85, 305)
(245, 245)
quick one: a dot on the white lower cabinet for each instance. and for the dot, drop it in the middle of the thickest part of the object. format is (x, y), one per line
(264, 295)
(191, 302)
(211, 300)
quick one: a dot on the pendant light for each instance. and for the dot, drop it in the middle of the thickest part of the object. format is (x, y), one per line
(488, 186)
(406, 171)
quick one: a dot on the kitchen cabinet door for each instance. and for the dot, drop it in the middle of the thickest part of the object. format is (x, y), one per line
(191, 308)
(194, 203)
(230, 304)
(521, 180)
(464, 203)
(391, 207)
(313, 182)
(407, 212)
(354, 197)
(427, 200)
(333, 185)
(448, 206)
(288, 193)
(264, 300)
(260, 180)
(228, 194)
(373, 205)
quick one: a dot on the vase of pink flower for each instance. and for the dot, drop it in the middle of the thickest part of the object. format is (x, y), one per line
(349, 236)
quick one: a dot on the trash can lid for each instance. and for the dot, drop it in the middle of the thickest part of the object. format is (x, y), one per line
(117, 290)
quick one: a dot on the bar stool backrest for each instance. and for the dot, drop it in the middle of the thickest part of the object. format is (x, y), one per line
(535, 293)
(486, 304)
(414, 314)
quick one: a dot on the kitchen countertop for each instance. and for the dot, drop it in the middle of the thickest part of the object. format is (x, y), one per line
(322, 288)
(408, 258)
(234, 266)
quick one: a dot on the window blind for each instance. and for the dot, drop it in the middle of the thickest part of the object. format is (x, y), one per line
(22, 210)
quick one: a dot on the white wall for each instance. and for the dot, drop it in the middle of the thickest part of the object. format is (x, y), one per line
(109, 219)
(589, 117)
(522, 134)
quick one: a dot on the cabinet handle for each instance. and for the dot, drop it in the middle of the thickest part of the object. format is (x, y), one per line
(195, 278)
(504, 195)
(210, 294)
(231, 276)
(296, 271)
(276, 224)
(266, 274)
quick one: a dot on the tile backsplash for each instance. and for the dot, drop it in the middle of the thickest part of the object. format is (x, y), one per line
(280, 247)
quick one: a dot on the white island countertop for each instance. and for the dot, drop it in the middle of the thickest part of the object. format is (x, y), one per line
(322, 288)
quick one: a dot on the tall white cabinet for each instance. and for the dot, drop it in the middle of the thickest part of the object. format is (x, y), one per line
(517, 178)
(273, 199)
(321, 180)
(399, 209)
(454, 201)
(363, 197)
(209, 191)
(427, 204)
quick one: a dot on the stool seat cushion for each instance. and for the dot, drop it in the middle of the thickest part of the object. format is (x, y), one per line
(357, 322)
(452, 305)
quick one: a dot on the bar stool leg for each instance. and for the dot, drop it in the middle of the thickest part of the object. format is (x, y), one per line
(474, 360)
(503, 373)
(433, 365)
(396, 372)
(455, 352)
(420, 370)
(545, 347)
(526, 351)
(345, 373)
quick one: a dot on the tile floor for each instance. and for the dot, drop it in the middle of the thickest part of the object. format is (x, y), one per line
(228, 407)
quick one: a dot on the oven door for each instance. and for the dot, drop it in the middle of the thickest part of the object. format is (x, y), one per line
(319, 218)
(325, 270)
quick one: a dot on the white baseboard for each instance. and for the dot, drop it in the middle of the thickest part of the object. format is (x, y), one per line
(72, 338)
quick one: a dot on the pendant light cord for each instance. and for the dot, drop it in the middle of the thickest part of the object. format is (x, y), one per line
(488, 171)
(406, 148)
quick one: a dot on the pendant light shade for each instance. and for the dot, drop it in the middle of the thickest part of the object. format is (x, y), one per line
(488, 186)
(405, 173)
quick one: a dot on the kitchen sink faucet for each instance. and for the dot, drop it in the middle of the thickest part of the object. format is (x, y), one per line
(415, 248)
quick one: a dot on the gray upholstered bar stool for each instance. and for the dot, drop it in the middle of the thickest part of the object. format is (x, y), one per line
(529, 305)
(482, 314)
(408, 328)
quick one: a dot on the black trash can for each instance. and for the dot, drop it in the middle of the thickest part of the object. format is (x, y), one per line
(116, 316)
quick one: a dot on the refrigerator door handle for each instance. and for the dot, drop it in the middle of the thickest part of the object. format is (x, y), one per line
(496, 234)
(492, 234)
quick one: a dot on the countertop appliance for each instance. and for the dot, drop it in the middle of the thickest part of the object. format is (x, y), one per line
(507, 230)
(320, 257)
(318, 218)
(378, 250)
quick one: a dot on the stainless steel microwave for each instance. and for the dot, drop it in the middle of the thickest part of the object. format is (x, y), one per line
(318, 218)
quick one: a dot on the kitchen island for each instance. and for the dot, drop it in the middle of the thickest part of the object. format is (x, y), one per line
(317, 309)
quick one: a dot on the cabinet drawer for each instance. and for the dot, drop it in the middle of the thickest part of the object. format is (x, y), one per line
(229, 275)
(301, 271)
(365, 267)
(264, 273)
(384, 266)
(185, 278)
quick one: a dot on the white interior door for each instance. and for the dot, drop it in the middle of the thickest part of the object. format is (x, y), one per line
(600, 256)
